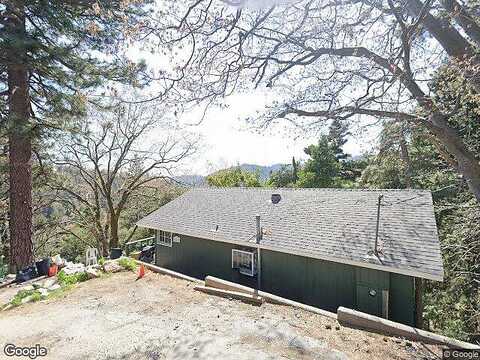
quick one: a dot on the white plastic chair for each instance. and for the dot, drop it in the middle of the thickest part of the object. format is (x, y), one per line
(91, 257)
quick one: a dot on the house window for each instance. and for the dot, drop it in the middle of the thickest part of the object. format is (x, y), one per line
(244, 261)
(164, 238)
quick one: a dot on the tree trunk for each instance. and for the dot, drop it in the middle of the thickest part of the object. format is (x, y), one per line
(114, 231)
(405, 158)
(467, 164)
(463, 18)
(452, 41)
(20, 148)
(105, 249)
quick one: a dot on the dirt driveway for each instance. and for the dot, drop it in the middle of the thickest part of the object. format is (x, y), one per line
(159, 317)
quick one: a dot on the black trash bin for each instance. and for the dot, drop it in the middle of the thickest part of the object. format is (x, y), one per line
(26, 274)
(43, 266)
(115, 253)
(147, 254)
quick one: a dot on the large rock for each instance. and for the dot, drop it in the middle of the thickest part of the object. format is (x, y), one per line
(49, 283)
(54, 287)
(112, 267)
(43, 291)
(72, 268)
(92, 273)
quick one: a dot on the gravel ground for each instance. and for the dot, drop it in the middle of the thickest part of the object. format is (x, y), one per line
(159, 317)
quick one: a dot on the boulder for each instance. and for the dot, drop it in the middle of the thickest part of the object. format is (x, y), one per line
(49, 283)
(112, 267)
(28, 288)
(43, 291)
(54, 287)
(71, 268)
(92, 273)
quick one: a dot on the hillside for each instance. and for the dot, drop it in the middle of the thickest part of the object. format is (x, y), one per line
(200, 180)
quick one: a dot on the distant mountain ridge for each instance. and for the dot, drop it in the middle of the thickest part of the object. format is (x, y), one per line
(264, 171)
(200, 180)
(191, 180)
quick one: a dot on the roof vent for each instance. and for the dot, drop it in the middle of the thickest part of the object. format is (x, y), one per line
(276, 198)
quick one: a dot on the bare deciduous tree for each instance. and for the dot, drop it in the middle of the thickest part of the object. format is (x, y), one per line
(110, 159)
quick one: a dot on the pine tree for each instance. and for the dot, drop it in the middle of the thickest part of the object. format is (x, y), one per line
(323, 167)
(51, 53)
(337, 135)
(294, 170)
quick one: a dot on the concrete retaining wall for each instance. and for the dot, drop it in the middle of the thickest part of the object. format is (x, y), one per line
(357, 319)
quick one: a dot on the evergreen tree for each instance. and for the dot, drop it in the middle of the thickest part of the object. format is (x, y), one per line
(323, 166)
(286, 176)
(294, 170)
(51, 53)
(337, 135)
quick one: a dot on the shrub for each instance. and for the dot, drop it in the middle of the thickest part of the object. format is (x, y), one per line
(36, 296)
(128, 264)
(22, 294)
(81, 277)
(17, 299)
(66, 280)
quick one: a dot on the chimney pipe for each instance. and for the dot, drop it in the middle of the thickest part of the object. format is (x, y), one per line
(259, 229)
(378, 224)
(259, 261)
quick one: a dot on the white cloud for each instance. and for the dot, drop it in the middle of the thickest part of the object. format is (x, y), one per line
(228, 140)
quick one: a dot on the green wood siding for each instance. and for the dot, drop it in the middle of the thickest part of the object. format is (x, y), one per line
(319, 283)
(402, 299)
(199, 258)
(372, 291)
(314, 282)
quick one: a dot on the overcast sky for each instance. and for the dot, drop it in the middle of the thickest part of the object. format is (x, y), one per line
(227, 139)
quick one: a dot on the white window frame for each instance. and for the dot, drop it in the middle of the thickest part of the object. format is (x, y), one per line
(239, 256)
(164, 238)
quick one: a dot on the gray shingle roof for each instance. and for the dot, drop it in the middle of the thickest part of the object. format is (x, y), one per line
(330, 224)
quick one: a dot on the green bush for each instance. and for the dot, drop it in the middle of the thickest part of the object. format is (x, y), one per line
(66, 280)
(17, 299)
(127, 263)
(81, 277)
(22, 294)
(101, 261)
(36, 296)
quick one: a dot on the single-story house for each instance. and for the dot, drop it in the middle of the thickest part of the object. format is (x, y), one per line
(362, 249)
